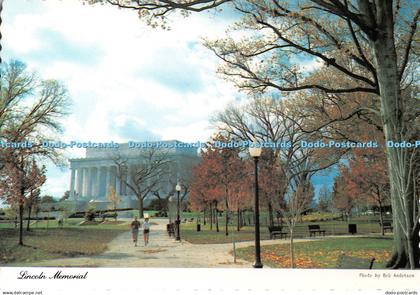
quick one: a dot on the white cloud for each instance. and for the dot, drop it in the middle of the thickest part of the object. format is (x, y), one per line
(129, 73)
(312, 65)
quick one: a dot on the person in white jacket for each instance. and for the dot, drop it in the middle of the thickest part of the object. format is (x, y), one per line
(146, 230)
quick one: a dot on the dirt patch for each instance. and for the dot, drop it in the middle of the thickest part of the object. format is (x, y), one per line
(89, 223)
(112, 222)
(152, 251)
(231, 263)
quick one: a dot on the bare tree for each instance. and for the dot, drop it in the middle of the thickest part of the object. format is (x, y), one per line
(24, 125)
(297, 200)
(177, 171)
(142, 176)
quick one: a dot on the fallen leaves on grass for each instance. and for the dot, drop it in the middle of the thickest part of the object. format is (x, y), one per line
(284, 261)
(320, 254)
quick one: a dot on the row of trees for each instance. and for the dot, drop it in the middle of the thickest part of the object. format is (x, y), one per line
(225, 175)
(366, 49)
(363, 180)
(223, 179)
(30, 112)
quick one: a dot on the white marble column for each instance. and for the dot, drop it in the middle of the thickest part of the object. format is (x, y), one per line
(107, 179)
(90, 182)
(98, 182)
(117, 182)
(72, 181)
(85, 181)
(103, 187)
(79, 189)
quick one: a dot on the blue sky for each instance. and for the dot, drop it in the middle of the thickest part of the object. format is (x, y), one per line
(126, 80)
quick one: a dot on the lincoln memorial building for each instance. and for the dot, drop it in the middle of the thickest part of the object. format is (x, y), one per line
(92, 175)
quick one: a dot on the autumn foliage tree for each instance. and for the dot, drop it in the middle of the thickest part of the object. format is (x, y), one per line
(342, 198)
(272, 182)
(220, 177)
(204, 191)
(30, 112)
(35, 178)
(23, 180)
(366, 178)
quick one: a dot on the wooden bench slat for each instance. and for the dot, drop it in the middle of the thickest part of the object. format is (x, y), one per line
(349, 262)
(275, 231)
(386, 225)
(315, 228)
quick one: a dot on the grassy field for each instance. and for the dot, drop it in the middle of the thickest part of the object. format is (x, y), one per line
(53, 242)
(332, 227)
(323, 254)
(48, 241)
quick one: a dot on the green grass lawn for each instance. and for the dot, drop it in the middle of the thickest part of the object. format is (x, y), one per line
(324, 253)
(48, 243)
(332, 227)
(207, 236)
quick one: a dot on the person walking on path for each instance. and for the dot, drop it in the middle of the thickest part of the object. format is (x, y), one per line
(135, 225)
(146, 230)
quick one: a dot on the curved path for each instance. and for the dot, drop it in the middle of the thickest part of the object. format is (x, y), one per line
(162, 251)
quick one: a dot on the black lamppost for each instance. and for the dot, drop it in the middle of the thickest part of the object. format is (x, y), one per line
(255, 152)
(170, 204)
(178, 221)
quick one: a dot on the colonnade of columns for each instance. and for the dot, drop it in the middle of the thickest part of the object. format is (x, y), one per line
(94, 182)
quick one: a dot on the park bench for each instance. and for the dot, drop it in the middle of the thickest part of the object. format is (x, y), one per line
(348, 262)
(314, 228)
(276, 231)
(387, 226)
(170, 229)
(191, 219)
(185, 220)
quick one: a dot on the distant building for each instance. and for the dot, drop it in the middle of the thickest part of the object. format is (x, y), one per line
(93, 175)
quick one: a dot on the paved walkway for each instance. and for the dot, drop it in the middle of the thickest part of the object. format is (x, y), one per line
(162, 251)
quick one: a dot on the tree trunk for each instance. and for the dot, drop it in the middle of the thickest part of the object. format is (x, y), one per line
(141, 210)
(211, 216)
(217, 217)
(226, 216)
(21, 224)
(204, 216)
(238, 221)
(292, 249)
(381, 218)
(29, 218)
(270, 214)
(385, 57)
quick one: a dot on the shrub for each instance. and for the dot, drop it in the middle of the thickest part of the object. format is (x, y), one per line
(90, 215)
